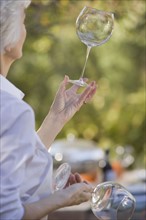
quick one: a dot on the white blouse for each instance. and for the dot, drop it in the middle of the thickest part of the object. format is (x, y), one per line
(25, 164)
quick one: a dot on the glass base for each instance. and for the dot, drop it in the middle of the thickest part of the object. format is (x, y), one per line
(79, 82)
(61, 176)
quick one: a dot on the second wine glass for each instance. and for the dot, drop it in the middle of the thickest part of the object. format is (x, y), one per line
(61, 176)
(94, 28)
(112, 201)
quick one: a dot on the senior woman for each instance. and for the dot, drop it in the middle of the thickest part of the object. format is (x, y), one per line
(25, 165)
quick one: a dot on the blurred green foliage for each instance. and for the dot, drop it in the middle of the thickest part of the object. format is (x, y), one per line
(116, 115)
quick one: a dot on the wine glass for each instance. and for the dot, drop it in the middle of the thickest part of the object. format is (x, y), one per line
(61, 176)
(94, 28)
(111, 200)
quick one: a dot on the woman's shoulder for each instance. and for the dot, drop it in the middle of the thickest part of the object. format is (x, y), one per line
(11, 107)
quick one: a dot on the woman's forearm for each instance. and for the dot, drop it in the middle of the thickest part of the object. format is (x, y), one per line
(40, 209)
(49, 129)
(72, 195)
(66, 103)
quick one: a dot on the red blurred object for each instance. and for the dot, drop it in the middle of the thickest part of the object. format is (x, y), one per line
(118, 168)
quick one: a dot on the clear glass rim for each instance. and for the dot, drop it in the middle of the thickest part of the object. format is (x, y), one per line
(115, 184)
(95, 9)
(98, 10)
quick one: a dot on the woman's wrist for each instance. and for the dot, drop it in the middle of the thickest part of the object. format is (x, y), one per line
(49, 129)
(43, 207)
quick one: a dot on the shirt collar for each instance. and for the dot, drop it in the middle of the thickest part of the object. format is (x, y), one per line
(7, 86)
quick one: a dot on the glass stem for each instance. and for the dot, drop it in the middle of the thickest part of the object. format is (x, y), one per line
(87, 55)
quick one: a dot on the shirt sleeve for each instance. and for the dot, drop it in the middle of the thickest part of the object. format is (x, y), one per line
(17, 141)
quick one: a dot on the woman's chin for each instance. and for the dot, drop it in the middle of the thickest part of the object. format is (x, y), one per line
(17, 56)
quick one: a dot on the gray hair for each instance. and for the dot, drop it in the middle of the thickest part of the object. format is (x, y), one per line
(10, 15)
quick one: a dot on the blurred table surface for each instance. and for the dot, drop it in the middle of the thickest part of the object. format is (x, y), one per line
(134, 181)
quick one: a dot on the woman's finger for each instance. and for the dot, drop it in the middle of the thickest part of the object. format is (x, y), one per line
(87, 93)
(71, 179)
(78, 178)
(87, 195)
(91, 94)
(63, 84)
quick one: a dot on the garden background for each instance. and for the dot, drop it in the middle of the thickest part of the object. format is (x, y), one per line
(116, 115)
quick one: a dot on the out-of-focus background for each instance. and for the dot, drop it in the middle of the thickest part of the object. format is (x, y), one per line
(115, 118)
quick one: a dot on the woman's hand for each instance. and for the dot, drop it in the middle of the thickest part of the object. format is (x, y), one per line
(66, 103)
(72, 195)
(76, 194)
(84, 193)
(74, 178)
